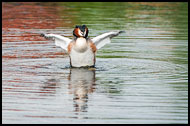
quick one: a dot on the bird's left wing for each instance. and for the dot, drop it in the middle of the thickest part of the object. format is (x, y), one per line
(105, 38)
(61, 41)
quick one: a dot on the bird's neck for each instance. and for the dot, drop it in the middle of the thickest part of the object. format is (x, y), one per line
(81, 44)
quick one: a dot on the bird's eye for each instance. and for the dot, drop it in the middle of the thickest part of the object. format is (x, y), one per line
(76, 26)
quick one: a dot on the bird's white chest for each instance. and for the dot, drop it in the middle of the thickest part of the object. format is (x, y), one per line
(80, 45)
(81, 54)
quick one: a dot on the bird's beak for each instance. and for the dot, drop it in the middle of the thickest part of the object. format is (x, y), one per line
(83, 34)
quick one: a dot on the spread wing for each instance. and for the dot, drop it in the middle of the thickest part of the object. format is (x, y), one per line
(105, 38)
(61, 41)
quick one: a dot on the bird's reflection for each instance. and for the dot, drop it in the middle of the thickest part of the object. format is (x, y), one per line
(81, 83)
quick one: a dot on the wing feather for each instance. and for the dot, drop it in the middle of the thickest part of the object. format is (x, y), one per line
(105, 38)
(60, 41)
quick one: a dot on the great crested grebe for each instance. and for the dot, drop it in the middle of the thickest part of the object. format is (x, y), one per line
(82, 49)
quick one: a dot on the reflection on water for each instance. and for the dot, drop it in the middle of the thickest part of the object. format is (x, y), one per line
(81, 83)
(140, 77)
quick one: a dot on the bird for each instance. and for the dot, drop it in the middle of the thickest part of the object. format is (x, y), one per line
(82, 49)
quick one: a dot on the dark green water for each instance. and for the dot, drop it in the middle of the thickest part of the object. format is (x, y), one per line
(140, 77)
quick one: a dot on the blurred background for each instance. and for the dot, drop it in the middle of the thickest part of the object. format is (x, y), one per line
(140, 77)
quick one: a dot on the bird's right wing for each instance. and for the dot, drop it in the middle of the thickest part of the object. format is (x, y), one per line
(61, 41)
(105, 38)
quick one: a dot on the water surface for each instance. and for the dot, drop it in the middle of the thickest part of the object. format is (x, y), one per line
(141, 77)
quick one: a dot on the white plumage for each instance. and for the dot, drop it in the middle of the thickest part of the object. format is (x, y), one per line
(81, 53)
(99, 41)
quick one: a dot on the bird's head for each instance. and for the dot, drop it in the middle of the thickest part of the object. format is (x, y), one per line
(80, 31)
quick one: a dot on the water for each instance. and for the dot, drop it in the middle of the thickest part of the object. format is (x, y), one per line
(141, 77)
